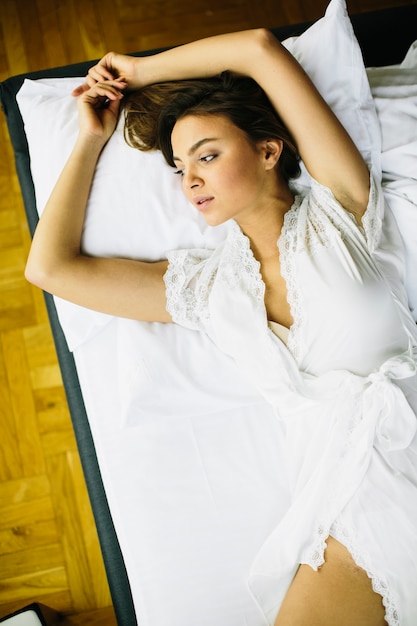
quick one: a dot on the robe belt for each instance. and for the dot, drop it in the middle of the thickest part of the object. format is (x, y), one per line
(386, 413)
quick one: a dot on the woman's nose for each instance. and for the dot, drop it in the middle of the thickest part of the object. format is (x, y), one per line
(191, 180)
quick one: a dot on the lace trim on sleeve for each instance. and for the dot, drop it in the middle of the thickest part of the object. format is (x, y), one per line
(324, 203)
(186, 293)
(372, 218)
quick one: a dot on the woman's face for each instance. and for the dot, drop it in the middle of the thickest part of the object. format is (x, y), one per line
(223, 174)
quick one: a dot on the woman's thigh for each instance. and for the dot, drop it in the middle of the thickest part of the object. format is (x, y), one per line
(339, 593)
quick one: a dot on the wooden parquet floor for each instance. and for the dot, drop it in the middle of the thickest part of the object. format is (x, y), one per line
(48, 545)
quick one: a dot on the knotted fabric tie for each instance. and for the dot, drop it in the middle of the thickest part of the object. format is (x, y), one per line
(385, 404)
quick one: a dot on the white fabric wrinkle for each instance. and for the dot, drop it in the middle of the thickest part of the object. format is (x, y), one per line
(202, 463)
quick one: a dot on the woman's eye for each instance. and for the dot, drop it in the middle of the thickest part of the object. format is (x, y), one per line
(204, 159)
(208, 158)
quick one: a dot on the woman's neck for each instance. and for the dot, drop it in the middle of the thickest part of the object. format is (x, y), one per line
(264, 228)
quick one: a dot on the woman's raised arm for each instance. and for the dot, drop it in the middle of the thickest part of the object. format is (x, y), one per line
(118, 287)
(325, 147)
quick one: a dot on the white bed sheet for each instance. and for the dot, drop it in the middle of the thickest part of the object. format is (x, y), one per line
(192, 494)
(189, 452)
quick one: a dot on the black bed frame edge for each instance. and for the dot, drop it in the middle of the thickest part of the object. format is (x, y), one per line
(384, 37)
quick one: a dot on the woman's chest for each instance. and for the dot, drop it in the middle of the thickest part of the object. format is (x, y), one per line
(276, 293)
(346, 317)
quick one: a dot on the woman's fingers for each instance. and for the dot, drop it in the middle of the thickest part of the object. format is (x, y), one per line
(99, 73)
(88, 84)
(96, 74)
(115, 86)
(112, 67)
(111, 90)
(78, 91)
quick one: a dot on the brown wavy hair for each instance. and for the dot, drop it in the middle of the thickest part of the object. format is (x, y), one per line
(152, 112)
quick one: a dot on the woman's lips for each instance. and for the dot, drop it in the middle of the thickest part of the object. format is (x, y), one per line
(202, 202)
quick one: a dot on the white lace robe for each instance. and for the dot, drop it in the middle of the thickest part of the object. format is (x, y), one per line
(344, 387)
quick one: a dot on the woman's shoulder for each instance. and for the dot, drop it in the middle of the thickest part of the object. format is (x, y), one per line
(320, 215)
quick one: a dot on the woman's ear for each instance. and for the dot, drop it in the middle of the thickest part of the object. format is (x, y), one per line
(271, 150)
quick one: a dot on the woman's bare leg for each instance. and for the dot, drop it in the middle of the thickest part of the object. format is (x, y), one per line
(339, 594)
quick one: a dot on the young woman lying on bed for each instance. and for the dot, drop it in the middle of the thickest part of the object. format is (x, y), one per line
(312, 320)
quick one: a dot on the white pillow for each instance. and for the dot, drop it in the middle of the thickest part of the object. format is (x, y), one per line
(394, 91)
(136, 208)
(331, 56)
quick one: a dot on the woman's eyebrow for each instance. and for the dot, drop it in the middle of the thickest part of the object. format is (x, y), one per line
(196, 146)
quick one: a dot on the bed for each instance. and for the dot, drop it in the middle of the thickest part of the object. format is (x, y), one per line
(180, 454)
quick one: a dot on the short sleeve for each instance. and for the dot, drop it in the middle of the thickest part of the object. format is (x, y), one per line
(323, 203)
(187, 282)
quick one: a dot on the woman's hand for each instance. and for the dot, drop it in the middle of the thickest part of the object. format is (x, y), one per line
(111, 67)
(98, 109)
